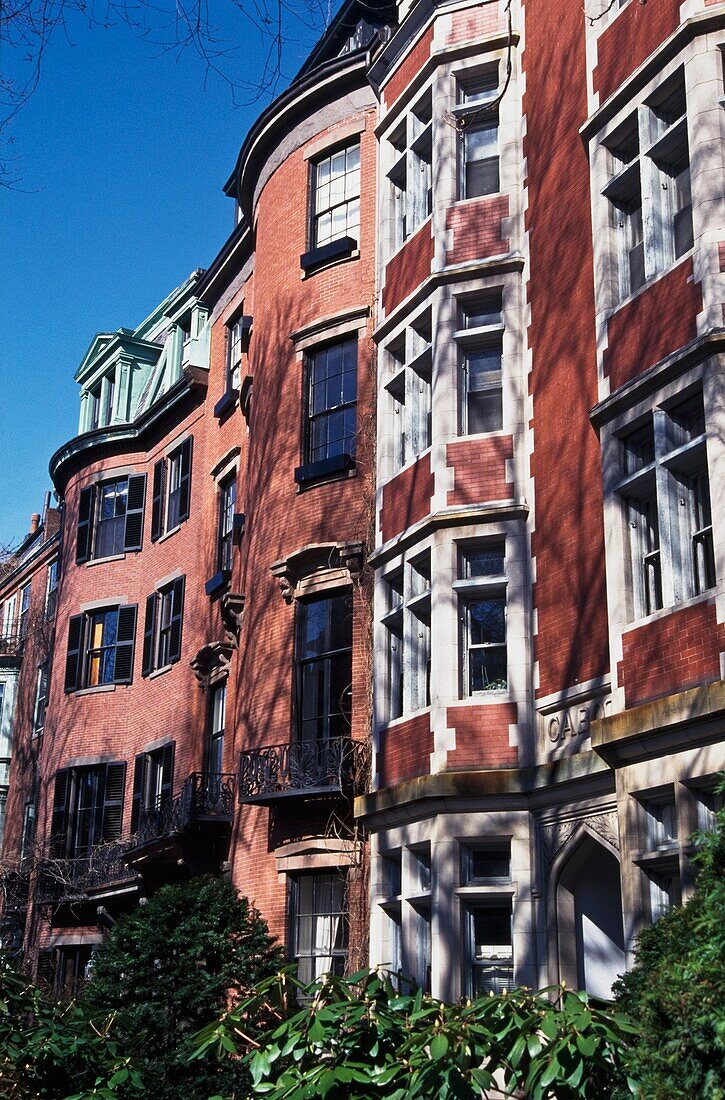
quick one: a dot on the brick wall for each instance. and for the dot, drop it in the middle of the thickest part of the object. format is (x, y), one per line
(479, 467)
(482, 736)
(474, 23)
(408, 268)
(630, 38)
(658, 321)
(409, 68)
(571, 644)
(476, 229)
(405, 750)
(671, 653)
(406, 498)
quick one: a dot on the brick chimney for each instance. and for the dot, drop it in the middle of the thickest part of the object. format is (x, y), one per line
(34, 523)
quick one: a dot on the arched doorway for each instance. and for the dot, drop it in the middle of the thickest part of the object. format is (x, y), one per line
(589, 917)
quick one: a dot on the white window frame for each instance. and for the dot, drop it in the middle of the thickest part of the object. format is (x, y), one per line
(409, 152)
(471, 590)
(473, 337)
(476, 112)
(407, 622)
(335, 188)
(410, 363)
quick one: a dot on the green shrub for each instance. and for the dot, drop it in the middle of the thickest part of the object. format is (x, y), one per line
(170, 967)
(356, 1038)
(676, 990)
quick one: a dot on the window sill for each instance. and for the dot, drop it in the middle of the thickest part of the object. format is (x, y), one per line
(663, 612)
(325, 470)
(104, 561)
(167, 534)
(159, 672)
(99, 689)
(495, 695)
(650, 282)
(327, 255)
(467, 199)
(403, 718)
(218, 583)
(226, 405)
(504, 889)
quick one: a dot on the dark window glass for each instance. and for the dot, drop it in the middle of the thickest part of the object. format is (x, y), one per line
(319, 924)
(324, 668)
(332, 396)
(100, 656)
(111, 522)
(51, 594)
(217, 719)
(227, 501)
(489, 962)
(486, 622)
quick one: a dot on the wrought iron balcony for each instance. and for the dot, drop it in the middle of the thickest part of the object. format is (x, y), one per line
(334, 766)
(11, 645)
(85, 877)
(204, 798)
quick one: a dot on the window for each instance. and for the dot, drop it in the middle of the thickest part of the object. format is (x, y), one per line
(710, 801)
(225, 544)
(215, 739)
(660, 816)
(41, 699)
(51, 590)
(482, 594)
(163, 626)
(24, 618)
(110, 518)
(101, 403)
(319, 924)
(109, 399)
(153, 779)
(489, 960)
(336, 196)
(27, 839)
(73, 965)
(666, 495)
(407, 625)
(87, 808)
(324, 668)
(480, 350)
(411, 153)
(410, 390)
(8, 624)
(486, 864)
(649, 166)
(477, 115)
(331, 403)
(101, 647)
(236, 333)
(94, 408)
(171, 490)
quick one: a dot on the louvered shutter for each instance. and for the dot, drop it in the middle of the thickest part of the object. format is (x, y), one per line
(59, 821)
(139, 778)
(185, 480)
(113, 801)
(85, 524)
(125, 640)
(167, 772)
(133, 534)
(73, 655)
(177, 616)
(157, 505)
(149, 631)
(45, 974)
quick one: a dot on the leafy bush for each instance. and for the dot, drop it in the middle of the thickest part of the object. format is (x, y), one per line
(49, 1051)
(676, 989)
(357, 1037)
(173, 965)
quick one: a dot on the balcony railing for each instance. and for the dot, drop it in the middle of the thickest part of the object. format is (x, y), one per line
(204, 797)
(11, 645)
(337, 765)
(84, 877)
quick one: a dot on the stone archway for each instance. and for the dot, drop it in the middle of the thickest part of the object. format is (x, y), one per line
(590, 936)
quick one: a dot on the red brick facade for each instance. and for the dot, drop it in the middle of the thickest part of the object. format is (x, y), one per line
(629, 40)
(671, 653)
(409, 267)
(405, 750)
(482, 736)
(476, 229)
(480, 470)
(407, 498)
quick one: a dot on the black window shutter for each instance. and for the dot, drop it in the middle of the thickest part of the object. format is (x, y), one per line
(45, 974)
(167, 772)
(113, 801)
(157, 505)
(149, 631)
(139, 777)
(73, 656)
(85, 524)
(177, 616)
(133, 534)
(59, 821)
(185, 480)
(125, 640)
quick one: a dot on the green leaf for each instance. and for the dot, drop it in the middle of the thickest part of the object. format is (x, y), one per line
(438, 1047)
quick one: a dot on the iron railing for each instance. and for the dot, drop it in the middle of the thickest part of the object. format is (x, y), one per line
(81, 878)
(337, 765)
(204, 797)
(11, 645)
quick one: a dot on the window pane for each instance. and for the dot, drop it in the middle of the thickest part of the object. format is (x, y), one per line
(485, 412)
(487, 668)
(484, 561)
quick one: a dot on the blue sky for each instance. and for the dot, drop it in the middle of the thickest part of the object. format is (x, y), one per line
(123, 153)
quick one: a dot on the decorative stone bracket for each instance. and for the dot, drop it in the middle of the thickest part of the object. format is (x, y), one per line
(211, 663)
(318, 567)
(231, 609)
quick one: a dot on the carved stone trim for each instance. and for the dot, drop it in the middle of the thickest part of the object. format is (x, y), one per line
(553, 837)
(211, 663)
(231, 609)
(318, 567)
